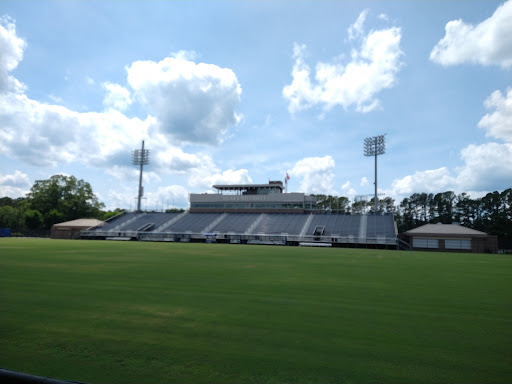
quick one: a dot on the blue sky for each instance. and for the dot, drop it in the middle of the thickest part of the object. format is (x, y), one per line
(237, 92)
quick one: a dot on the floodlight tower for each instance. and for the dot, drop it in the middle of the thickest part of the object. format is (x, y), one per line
(140, 157)
(374, 146)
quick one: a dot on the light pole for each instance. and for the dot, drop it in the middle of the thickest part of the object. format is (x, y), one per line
(140, 157)
(374, 146)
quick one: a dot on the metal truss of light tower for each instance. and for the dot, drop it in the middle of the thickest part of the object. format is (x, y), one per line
(374, 146)
(140, 157)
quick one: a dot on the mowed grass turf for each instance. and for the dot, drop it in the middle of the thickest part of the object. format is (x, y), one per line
(134, 312)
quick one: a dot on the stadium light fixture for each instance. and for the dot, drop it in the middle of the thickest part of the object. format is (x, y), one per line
(140, 157)
(374, 146)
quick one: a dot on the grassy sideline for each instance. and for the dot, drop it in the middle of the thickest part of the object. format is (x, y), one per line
(116, 312)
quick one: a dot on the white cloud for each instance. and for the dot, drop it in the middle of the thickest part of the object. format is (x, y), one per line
(123, 172)
(15, 185)
(316, 174)
(348, 191)
(488, 43)
(12, 53)
(45, 134)
(18, 179)
(48, 134)
(498, 124)
(174, 160)
(430, 181)
(170, 196)
(489, 166)
(205, 178)
(117, 97)
(129, 174)
(486, 167)
(355, 30)
(119, 198)
(198, 98)
(372, 68)
(193, 102)
(364, 182)
(125, 195)
(383, 17)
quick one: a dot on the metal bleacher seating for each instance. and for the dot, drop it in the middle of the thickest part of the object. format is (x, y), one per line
(118, 222)
(148, 218)
(380, 226)
(235, 222)
(278, 223)
(193, 222)
(318, 226)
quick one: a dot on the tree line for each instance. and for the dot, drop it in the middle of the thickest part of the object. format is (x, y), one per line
(57, 199)
(491, 213)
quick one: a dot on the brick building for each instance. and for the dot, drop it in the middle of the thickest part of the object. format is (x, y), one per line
(450, 237)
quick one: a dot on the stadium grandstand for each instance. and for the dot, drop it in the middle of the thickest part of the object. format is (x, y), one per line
(252, 214)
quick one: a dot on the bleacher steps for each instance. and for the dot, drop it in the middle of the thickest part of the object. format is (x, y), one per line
(363, 225)
(306, 225)
(125, 223)
(253, 226)
(170, 222)
(214, 223)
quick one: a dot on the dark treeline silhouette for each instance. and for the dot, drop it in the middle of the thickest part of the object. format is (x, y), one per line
(491, 213)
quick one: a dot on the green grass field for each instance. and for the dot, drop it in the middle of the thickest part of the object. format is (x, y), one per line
(119, 312)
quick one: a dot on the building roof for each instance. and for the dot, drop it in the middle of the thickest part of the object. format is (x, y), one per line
(81, 223)
(444, 229)
(237, 187)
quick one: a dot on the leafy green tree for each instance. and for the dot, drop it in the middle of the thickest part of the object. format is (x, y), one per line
(343, 205)
(32, 219)
(9, 218)
(333, 203)
(6, 201)
(359, 207)
(405, 217)
(387, 205)
(107, 215)
(174, 210)
(496, 214)
(444, 207)
(53, 217)
(63, 198)
(464, 213)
